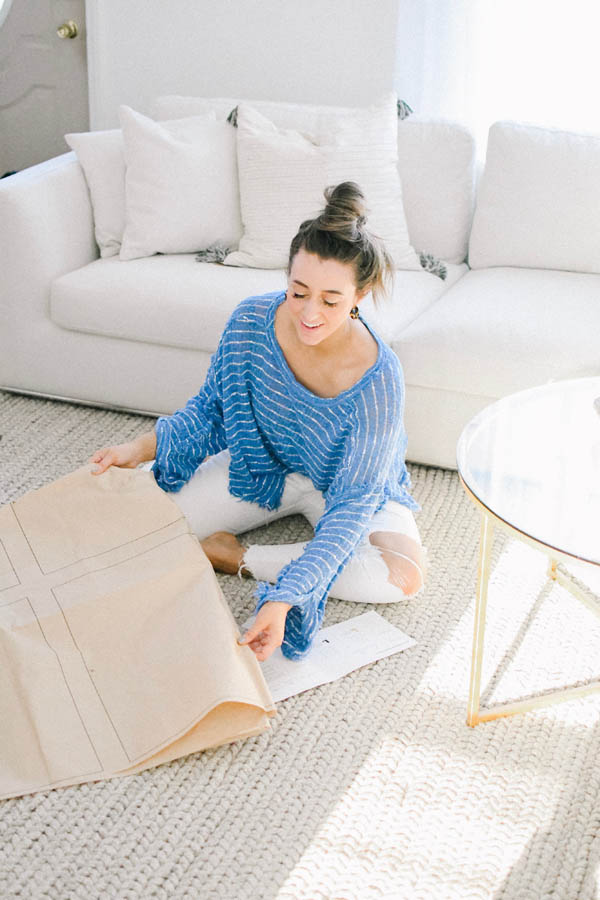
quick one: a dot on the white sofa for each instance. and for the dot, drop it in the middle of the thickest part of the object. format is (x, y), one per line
(138, 334)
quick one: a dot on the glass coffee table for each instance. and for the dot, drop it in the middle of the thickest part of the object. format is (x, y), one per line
(531, 464)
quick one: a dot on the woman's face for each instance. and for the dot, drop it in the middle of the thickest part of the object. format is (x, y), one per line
(320, 295)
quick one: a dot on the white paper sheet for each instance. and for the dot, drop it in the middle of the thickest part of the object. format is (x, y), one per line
(338, 649)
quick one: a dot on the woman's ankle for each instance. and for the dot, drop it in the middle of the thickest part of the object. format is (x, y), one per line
(225, 552)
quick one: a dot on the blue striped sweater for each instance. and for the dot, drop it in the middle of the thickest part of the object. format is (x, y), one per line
(351, 446)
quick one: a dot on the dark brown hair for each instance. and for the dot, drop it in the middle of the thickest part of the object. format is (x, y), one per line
(340, 232)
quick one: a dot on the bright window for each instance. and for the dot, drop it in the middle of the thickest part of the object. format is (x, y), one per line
(479, 61)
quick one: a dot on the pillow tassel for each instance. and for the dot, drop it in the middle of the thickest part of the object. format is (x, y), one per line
(216, 253)
(404, 109)
(434, 265)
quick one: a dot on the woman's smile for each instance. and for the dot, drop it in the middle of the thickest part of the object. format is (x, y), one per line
(310, 327)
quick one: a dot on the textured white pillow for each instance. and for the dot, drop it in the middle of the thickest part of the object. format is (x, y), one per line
(100, 154)
(538, 201)
(181, 186)
(283, 174)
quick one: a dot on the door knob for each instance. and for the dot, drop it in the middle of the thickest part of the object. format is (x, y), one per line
(67, 30)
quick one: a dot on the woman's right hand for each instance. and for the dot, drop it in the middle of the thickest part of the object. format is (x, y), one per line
(126, 456)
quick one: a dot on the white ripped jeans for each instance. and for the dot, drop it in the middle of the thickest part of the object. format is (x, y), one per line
(208, 506)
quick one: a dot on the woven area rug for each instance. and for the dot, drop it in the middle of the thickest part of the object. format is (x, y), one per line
(372, 786)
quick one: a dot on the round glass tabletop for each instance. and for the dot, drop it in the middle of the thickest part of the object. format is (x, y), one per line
(533, 460)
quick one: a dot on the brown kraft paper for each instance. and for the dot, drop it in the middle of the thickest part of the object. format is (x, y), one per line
(118, 651)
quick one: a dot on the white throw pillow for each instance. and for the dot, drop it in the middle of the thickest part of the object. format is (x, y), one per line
(283, 173)
(100, 155)
(181, 186)
(538, 202)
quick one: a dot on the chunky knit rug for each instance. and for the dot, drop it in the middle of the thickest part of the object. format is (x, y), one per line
(370, 787)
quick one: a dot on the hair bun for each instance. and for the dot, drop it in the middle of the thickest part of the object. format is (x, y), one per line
(346, 207)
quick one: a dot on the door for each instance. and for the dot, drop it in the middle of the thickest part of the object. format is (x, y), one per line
(43, 80)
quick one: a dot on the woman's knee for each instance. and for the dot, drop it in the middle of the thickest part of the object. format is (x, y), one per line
(404, 558)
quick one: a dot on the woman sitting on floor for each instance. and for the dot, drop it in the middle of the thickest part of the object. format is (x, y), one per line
(301, 412)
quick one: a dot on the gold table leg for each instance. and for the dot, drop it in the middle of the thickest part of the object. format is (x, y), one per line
(475, 714)
(483, 574)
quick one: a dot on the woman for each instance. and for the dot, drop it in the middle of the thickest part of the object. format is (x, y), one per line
(301, 411)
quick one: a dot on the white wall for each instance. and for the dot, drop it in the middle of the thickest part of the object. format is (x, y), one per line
(312, 51)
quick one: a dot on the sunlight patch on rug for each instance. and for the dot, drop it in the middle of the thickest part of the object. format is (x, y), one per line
(413, 816)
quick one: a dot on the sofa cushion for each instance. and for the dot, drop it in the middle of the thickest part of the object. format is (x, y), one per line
(411, 296)
(176, 301)
(539, 200)
(436, 161)
(283, 174)
(505, 329)
(171, 299)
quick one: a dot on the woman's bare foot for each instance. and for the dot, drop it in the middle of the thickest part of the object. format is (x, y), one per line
(225, 552)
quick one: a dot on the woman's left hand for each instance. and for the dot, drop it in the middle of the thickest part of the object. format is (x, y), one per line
(266, 634)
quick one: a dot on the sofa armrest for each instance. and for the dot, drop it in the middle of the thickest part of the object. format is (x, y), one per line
(47, 229)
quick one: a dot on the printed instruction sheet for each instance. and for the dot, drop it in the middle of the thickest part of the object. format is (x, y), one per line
(338, 650)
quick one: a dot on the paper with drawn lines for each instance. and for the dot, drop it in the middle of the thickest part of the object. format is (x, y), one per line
(118, 651)
(338, 650)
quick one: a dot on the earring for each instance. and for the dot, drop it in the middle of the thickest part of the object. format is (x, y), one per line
(354, 312)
